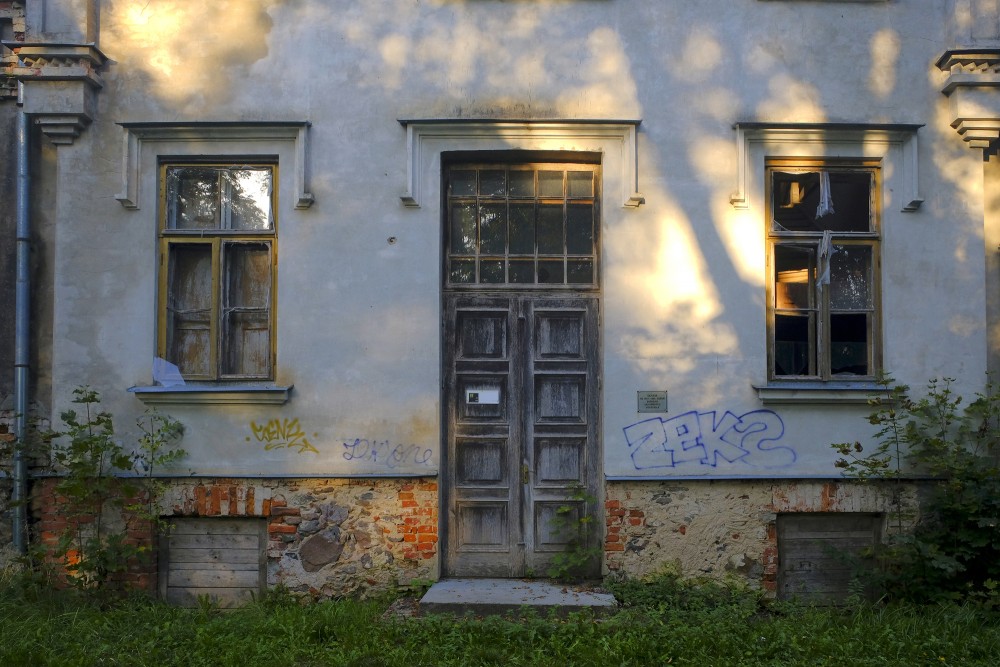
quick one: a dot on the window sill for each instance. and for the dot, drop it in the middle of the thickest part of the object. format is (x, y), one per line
(856, 392)
(213, 394)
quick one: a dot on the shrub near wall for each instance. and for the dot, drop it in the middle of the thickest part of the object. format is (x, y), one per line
(137, 567)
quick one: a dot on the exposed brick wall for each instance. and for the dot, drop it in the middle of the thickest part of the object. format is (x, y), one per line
(325, 537)
(721, 528)
(11, 11)
(50, 523)
(329, 537)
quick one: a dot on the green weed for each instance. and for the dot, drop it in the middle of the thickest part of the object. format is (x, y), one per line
(665, 621)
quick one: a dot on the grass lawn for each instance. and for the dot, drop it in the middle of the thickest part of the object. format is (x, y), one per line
(663, 623)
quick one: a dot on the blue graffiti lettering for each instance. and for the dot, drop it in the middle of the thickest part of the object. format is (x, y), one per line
(384, 453)
(709, 439)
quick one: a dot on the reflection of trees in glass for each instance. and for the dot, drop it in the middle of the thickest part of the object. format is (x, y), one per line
(249, 197)
(219, 197)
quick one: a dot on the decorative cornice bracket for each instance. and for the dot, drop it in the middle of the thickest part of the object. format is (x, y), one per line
(60, 82)
(973, 89)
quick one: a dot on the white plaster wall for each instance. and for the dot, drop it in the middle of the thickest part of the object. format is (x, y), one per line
(683, 276)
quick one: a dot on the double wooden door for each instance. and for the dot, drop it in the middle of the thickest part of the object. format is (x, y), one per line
(522, 456)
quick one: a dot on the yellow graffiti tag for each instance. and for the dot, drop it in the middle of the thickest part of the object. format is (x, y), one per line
(282, 434)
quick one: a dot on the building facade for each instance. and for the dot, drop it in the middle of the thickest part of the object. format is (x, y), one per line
(426, 281)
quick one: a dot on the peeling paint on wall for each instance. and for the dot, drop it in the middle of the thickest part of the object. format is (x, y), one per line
(719, 528)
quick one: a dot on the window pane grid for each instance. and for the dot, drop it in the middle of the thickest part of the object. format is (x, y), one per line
(217, 297)
(521, 225)
(823, 285)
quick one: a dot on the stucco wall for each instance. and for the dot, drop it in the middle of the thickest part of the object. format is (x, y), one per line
(358, 314)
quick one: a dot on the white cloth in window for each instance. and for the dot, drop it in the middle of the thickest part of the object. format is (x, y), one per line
(826, 251)
(825, 196)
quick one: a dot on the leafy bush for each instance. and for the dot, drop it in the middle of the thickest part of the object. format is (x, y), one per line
(99, 480)
(954, 447)
(574, 525)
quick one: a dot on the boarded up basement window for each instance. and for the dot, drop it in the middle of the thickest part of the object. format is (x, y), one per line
(820, 556)
(222, 559)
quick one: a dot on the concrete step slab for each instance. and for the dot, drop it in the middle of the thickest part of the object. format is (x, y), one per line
(500, 596)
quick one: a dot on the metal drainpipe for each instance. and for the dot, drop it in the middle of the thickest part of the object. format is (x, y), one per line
(21, 332)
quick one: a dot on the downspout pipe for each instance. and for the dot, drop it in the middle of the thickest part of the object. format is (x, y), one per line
(22, 315)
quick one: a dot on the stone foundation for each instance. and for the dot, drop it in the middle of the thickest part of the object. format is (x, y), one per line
(720, 529)
(337, 537)
(329, 537)
(326, 537)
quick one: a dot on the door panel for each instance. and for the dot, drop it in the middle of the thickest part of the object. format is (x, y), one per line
(522, 456)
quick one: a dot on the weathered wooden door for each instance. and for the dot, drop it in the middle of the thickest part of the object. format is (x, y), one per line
(522, 460)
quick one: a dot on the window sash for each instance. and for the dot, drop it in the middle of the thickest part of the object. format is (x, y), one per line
(218, 198)
(823, 313)
(216, 285)
(522, 225)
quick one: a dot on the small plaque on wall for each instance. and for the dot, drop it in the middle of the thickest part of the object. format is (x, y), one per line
(652, 401)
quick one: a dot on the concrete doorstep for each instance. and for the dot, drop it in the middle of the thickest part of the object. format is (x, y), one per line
(499, 596)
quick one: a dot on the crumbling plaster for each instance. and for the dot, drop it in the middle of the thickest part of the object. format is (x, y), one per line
(726, 529)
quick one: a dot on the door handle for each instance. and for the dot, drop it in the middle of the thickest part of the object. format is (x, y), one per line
(525, 473)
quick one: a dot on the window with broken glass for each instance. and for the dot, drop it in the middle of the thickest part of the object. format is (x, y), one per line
(217, 258)
(823, 267)
(522, 225)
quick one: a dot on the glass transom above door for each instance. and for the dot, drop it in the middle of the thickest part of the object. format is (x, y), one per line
(522, 225)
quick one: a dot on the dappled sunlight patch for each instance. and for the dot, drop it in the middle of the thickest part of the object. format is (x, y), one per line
(741, 233)
(792, 100)
(700, 55)
(965, 326)
(607, 85)
(884, 47)
(172, 44)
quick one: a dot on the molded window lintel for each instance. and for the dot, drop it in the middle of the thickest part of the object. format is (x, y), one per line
(615, 139)
(756, 141)
(239, 138)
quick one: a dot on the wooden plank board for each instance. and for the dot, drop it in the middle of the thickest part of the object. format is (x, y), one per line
(218, 559)
(214, 541)
(184, 555)
(209, 567)
(831, 549)
(819, 554)
(213, 579)
(214, 526)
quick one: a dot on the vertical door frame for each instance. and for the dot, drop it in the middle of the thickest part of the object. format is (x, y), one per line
(593, 474)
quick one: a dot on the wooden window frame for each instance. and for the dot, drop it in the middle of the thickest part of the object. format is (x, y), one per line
(820, 336)
(218, 240)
